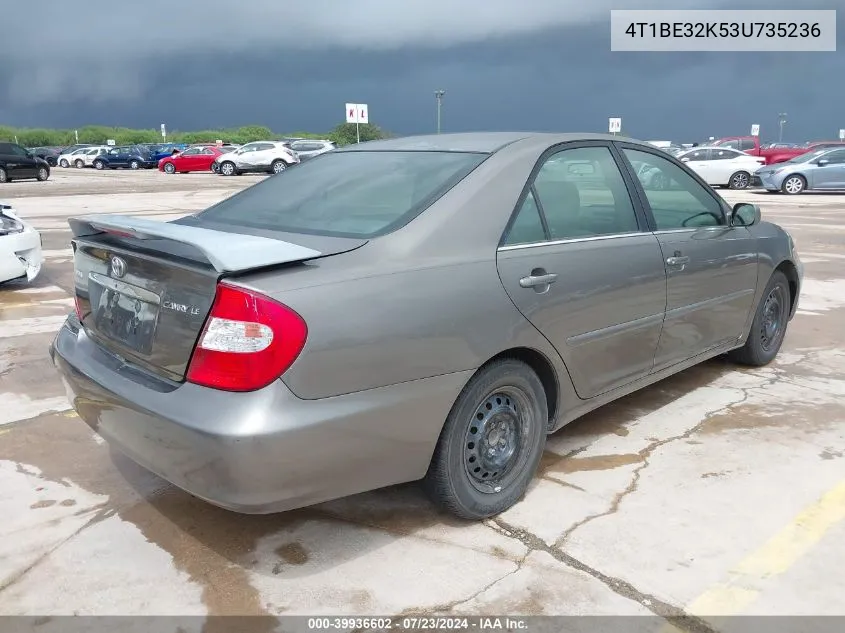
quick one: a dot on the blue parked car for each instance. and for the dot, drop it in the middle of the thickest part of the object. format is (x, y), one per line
(130, 156)
(163, 150)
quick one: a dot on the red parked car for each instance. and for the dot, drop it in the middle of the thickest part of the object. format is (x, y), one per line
(191, 159)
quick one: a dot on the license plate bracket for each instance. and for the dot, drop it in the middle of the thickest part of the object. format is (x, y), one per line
(124, 313)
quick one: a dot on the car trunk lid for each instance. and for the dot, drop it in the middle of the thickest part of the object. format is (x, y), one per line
(144, 288)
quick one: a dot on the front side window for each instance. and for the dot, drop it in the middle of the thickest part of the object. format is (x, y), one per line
(356, 194)
(835, 158)
(676, 199)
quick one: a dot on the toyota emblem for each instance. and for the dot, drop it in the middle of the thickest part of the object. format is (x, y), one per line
(118, 267)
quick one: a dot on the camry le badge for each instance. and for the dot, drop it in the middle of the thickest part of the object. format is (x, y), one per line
(118, 267)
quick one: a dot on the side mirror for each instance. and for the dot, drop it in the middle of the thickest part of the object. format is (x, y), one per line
(685, 160)
(822, 162)
(745, 214)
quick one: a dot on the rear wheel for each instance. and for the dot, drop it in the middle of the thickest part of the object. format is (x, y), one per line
(228, 168)
(79, 163)
(169, 168)
(740, 180)
(43, 174)
(769, 325)
(4, 177)
(793, 184)
(64, 163)
(278, 166)
(98, 164)
(491, 443)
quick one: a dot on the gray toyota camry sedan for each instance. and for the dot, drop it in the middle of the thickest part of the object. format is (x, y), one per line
(418, 308)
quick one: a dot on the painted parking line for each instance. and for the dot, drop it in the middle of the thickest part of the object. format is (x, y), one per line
(747, 580)
(17, 407)
(34, 290)
(33, 325)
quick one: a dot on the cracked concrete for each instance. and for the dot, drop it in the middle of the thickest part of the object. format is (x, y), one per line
(638, 508)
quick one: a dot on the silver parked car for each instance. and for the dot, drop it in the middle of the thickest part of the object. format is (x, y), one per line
(820, 169)
(419, 308)
(307, 148)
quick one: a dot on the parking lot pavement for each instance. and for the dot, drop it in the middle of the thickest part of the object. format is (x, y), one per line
(718, 491)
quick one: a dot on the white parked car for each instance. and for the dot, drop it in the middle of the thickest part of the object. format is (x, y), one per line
(271, 157)
(20, 247)
(722, 166)
(85, 157)
(66, 160)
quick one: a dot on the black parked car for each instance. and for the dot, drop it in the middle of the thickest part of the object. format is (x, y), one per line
(130, 156)
(50, 154)
(18, 163)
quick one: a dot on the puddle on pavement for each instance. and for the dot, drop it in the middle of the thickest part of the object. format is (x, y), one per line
(798, 419)
(552, 463)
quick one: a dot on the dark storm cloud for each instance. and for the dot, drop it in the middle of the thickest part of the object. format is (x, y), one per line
(544, 64)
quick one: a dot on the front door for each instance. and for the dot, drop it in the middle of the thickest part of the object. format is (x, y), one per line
(711, 268)
(25, 164)
(831, 175)
(579, 262)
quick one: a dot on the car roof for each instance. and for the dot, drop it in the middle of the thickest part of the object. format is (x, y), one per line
(482, 142)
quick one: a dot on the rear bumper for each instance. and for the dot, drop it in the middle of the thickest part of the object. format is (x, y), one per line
(20, 255)
(258, 452)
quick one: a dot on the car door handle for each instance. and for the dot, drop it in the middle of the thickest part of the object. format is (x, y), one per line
(532, 281)
(677, 260)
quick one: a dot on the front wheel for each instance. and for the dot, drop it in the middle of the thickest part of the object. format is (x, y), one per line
(491, 443)
(134, 164)
(64, 163)
(79, 163)
(169, 168)
(43, 174)
(228, 168)
(740, 180)
(769, 325)
(4, 177)
(793, 185)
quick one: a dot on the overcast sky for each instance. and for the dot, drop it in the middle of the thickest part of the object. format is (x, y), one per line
(504, 64)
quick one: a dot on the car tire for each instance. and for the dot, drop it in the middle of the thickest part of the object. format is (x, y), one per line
(134, 164)
(64, 163)
(98, 164)
(169, 168)
(42, 174)
(793, 185)
(504, 403)
(740, 180)
(4, 177)
(79, 163)
(769, 325)
(227, 168)
(278, 166)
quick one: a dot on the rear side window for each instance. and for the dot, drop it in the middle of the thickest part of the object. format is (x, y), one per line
(347, 194)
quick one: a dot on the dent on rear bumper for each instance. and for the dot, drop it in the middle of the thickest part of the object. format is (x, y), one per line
(263, 451)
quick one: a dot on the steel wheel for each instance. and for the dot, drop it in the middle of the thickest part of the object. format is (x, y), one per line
(774, 317)
(740, 180)
(794, 185)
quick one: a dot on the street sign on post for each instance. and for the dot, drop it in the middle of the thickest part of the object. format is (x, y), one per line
(163, 132)
(615, 125)
(842, 135)
(357, 113)
(755, 130)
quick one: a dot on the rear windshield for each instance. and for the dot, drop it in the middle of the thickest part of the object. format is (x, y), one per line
(347, 194)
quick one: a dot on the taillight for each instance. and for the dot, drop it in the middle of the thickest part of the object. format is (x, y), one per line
(248, 341)
(78, 308)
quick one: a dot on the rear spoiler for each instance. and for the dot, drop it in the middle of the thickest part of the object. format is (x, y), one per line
(227, 252)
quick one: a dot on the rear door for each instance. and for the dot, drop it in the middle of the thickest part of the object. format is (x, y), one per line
(699, 161)
(830, 175)
(724, 163)
(579, 262)
(711, 268)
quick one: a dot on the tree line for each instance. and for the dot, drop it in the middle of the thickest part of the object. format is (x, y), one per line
(343, 134)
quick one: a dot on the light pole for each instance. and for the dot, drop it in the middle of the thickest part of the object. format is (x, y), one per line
(438, 94)
(781, 123)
